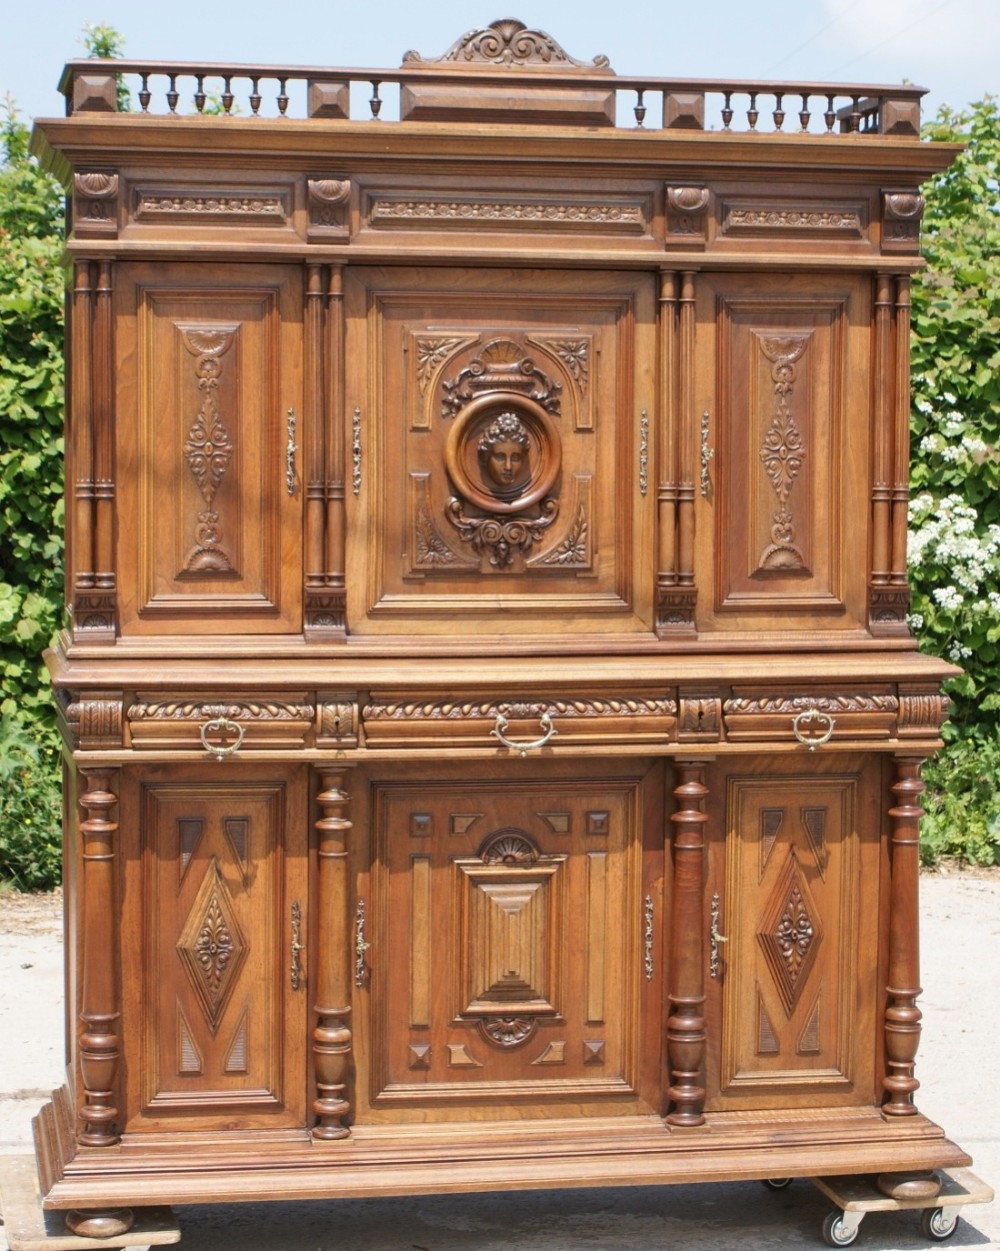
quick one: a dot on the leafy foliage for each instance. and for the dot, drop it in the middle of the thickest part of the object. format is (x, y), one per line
(30, 806)
(955, 513)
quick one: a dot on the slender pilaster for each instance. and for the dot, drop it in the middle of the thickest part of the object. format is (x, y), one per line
(332, 1038)
(902, 1016)
(315, 435)
(99, 1044)
(901, 434)
(336, 523)
(667, 447)
(882, 387)
(686, 1019)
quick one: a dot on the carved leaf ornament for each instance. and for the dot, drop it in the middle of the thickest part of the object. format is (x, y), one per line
(507, 42)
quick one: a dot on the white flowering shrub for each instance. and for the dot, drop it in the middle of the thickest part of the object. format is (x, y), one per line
(954, 548)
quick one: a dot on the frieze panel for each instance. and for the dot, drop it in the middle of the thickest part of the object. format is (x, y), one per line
(813, 220)
(211, 206)
(794, 704)
(234, 710)
(488, 709)
(611, 215)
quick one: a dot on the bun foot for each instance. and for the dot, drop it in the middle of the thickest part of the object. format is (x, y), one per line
(108, 1223)
(923, 1185)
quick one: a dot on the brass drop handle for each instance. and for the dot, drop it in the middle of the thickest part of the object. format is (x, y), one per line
(360, 944)
(296, 948)
(715, 939)
(220, 752)
(706, 457)
(522, 749)
(823, 733)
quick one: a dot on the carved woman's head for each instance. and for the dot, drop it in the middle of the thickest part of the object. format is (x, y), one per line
(503, 454)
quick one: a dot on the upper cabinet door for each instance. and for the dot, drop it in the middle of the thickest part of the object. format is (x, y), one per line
(209, 386)
(783, 378)
(499, 451)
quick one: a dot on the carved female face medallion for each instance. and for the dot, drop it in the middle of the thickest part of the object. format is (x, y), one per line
(503, 453)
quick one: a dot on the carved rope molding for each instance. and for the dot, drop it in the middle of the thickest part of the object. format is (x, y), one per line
(637, 707)
(242, 710)
(781, 704)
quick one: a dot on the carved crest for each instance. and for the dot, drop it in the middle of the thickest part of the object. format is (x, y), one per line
(507, 42)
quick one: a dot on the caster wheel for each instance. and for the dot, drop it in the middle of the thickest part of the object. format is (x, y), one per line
(835, 1232)
(938, 1224)
(776, 1183)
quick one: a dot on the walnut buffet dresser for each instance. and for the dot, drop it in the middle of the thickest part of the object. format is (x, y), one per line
(492, 729)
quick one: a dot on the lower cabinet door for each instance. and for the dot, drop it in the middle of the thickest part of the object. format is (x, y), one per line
(795, 873)
(215, 891)
(515, 963)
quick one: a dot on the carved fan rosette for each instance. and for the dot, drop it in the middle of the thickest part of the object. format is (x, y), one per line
(503, 454)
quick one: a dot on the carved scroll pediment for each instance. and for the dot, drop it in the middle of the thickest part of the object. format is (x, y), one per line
(507, 42)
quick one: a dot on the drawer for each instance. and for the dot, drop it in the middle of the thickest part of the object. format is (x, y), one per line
(398, 720)
(818, 714)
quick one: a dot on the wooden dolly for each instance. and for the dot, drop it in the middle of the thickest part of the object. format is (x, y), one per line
(856, 1196)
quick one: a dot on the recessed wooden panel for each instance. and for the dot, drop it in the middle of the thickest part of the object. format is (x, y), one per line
(784, 381)
(497, 454)
(211, 1039)
(510, 957)
(795, 991)
(208, 369)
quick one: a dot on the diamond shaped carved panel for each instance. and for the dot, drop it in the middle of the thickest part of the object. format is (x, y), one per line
(791, 932)
(212, 947)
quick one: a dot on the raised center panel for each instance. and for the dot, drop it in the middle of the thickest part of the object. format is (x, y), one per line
(497, 428)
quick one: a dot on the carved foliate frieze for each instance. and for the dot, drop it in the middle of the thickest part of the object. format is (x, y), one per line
(551, 213)
(901, 214)
(764, 219)
(95, 724)
(95, 204)
(329, 209)
(211, 206)
(506, 42)
(687, 214)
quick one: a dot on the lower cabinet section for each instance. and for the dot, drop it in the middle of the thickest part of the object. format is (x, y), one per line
(409, 976)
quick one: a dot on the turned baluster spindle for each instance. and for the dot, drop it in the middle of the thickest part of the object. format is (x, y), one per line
(640, 107)
(173, 95)
(332, 1038)
(830, 116)
(727, 110)
(779, 114)
(145, 95)
(804, 114)
(228, 98)
(375, 102)
(902, 1016)
(199, 93)
(686, 1019)
(255, 96)
(99, 1050)
(752, 112)
(282, 96)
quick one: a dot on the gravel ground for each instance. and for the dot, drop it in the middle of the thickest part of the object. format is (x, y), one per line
(957, 1065)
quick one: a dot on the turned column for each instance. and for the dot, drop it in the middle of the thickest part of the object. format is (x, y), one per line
(332, 1039)
(99, 1043)
(685, 1018)
(902, 1016)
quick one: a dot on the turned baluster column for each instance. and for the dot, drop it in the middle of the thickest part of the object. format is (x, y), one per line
(902, 1016)
(100, 1013)
(686, 1019)
(332, 1039)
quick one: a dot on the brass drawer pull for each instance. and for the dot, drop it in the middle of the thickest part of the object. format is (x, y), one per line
(522, 749)
(230, 727)
(823, 732)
